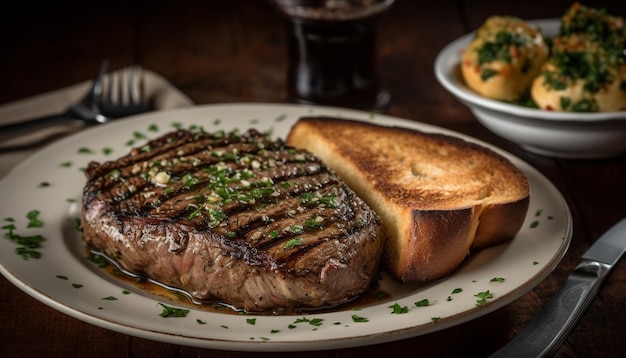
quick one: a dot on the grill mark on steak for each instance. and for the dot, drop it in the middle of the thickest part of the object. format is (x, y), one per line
(198, 211)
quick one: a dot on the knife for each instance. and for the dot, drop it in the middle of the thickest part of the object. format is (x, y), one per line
(546, 332)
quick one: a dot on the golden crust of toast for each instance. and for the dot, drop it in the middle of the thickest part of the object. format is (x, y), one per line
(438, 196)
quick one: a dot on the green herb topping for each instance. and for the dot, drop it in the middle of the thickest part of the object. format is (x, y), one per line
(172, 311)
(27, 244)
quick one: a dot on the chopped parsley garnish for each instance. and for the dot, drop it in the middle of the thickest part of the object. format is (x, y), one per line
(314, 222)
(27, 244)
(359, 319)
(499, 50)
(33, 220)
(329, 201)
(316, 322)
(194, 213)
(296, 229)
(313, 322)
(483, 297)
(27, 253)
(585, 105)
(172, 311)
(189, 181)
(455, 291)
(215, 217)
(306, 198)
(293, 243)
(397, 309)
(487, 73)
(99, 260)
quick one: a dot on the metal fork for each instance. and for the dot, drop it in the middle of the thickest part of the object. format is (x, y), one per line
(124, 94)
(98, 106)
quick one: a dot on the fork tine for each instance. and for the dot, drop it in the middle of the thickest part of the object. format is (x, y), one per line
(131, 85)
(126, 93)
(137, 86)
(121, 81)
(142, 87)
(108, 90)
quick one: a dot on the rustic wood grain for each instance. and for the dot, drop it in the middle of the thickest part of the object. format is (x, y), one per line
(234, 51)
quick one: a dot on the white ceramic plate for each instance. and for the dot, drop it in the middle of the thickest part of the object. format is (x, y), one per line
(51, 182)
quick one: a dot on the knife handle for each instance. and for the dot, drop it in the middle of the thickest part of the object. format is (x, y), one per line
(546, 332)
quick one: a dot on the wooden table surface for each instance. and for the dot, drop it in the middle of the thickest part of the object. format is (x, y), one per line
(234, 51)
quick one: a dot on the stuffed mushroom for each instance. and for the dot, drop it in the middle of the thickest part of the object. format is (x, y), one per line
(504, 58)
(586, 71)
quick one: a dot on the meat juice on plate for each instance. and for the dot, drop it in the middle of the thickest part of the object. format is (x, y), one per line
(372, 296)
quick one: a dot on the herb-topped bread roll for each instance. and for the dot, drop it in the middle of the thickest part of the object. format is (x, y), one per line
(587, 69)
(504, 58)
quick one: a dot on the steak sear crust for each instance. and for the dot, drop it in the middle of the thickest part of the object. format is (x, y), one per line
(234, 218)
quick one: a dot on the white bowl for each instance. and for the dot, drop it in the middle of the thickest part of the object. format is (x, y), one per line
(558, 134)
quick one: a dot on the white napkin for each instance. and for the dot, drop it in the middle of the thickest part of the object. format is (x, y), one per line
(163, 94)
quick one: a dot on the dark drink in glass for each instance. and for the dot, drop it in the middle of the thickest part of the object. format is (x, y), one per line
(332, 49)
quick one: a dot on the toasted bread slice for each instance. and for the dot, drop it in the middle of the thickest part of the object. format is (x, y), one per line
(438, 196)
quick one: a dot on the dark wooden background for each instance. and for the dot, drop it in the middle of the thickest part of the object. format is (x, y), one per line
(219, 51)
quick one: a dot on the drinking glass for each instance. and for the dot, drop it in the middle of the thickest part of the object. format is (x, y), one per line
(332, 52)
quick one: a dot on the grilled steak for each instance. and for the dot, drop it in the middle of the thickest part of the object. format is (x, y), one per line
(233, 218)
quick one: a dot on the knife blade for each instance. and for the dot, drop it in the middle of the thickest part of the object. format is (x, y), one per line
(548, 330)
